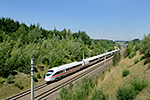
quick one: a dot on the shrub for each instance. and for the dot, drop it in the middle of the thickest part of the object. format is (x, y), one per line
(128, 50)
(141, 58)
(82, 92)
(16, 84)
(35, 79)
(132, 55)
(147, 61)
(10, 79)
(116, 58)
(19, 85)
(125, 72)
(1, 81)
(38, 75)
(136, 60)
(139, 84)
(98, 94)
(102, 78)
(125, 93)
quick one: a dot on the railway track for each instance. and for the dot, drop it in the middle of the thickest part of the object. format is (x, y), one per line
(44, 90)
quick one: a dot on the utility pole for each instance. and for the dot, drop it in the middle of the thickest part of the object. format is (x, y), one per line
(83, 54)
(32, 79)
(83, 58)
(104, 59)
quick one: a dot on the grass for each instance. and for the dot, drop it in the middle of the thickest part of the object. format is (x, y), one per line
(7, 90)
(114, 79)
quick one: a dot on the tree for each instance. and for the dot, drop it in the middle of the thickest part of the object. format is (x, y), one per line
(145, 45)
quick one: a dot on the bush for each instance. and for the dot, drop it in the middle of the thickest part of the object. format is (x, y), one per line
(141, 58)
(10, 79)
(132, 55)
(82, 92)
(125, 72)
(16, 84)
(139, 84)
(98, 94)
(147, 61)
(125, 93)
(35, 79)
(1, 81)
(116, 58)
(128, 50)
(38, 75)
(19, 85)
(136, 60)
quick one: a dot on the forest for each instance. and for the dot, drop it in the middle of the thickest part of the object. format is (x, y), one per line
(19, 43)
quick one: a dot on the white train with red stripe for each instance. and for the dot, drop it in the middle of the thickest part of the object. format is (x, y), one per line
(56, 73)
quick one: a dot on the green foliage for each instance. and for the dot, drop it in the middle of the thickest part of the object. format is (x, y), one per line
(19, 43)
(44, 75)
(70, 85)
(82, 91)
(10, 79)
(125, 93)
(128, 50)
(132, 55)
(147, 61)
(137, 47)
(145, 45)
(136, 60)
(98, 94)
(130, 92)
(19, 85)
(141, 58)
(116, 58)
(139, 84)
(35, 79)
(102, 78)
(38, 75)
(125, 72)
(1, 81)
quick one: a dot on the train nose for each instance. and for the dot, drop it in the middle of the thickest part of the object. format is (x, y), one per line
(47, 79)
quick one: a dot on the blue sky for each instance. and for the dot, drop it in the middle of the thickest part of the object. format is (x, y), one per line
(101, 19)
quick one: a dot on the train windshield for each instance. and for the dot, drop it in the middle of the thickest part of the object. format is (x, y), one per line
(49, 72)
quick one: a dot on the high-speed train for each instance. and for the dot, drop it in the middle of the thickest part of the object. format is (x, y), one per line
(57, 73)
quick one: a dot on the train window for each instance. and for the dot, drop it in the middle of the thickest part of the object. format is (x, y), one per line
(58, 72)
(48, 74)
(51, 71)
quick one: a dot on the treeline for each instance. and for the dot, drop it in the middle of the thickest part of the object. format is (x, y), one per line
(132, 47)
(142, 45)
(19, 43)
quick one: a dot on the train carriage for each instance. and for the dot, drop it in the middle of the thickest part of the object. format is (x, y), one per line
(63, 70)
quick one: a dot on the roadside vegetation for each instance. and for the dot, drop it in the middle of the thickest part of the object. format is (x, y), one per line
(84, 90)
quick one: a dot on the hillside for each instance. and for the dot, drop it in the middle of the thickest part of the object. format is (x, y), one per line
(114, 79)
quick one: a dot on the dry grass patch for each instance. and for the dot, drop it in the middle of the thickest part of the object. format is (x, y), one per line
(9, 89)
